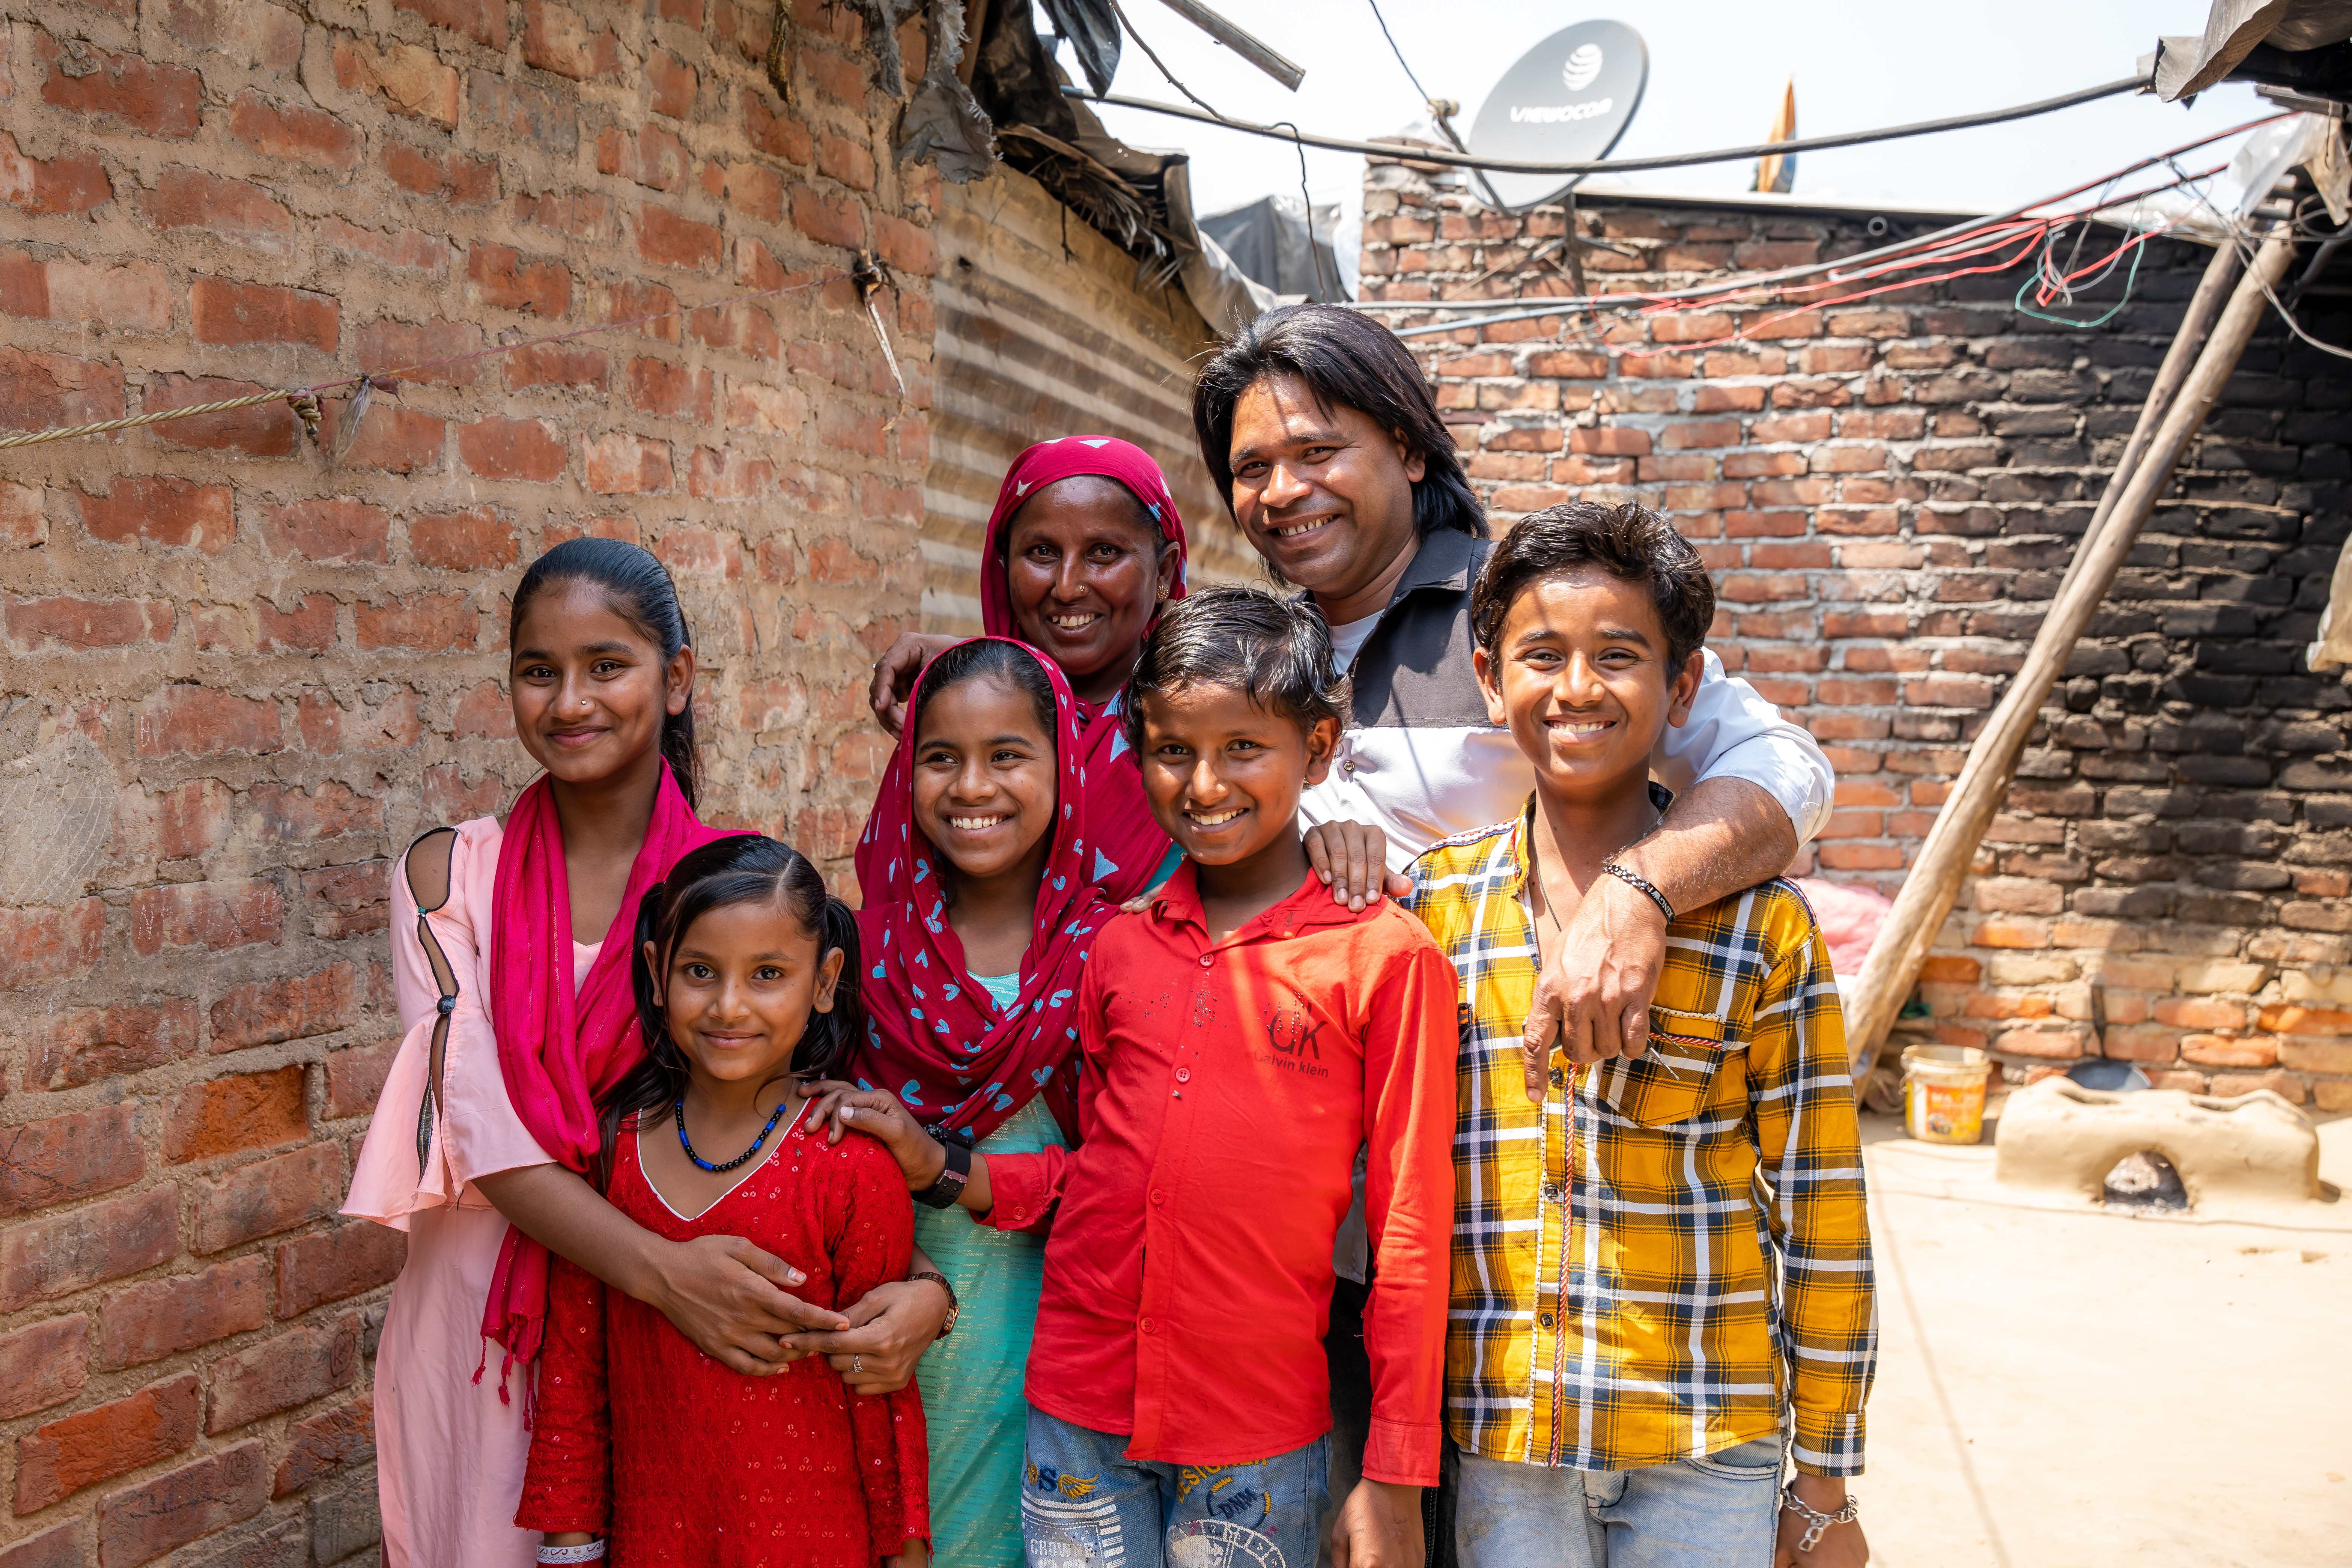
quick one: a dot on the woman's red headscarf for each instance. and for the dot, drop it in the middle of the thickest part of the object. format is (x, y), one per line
(935, 1039)
(560, 1048)
(1127, 844)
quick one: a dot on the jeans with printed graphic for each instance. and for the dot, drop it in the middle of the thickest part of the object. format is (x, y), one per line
(1722, 1511)
(1085, 1504)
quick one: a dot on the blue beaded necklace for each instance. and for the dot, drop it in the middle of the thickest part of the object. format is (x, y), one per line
(757, 1144)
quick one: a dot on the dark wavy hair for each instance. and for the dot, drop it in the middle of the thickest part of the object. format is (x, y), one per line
(1352, 361)
(1277, 650)
(1630, 542)
(742, 869)
(639, 588)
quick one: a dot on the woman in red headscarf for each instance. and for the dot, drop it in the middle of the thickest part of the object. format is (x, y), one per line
(1083, 549)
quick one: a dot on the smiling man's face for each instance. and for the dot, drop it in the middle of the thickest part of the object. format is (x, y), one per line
(1322, 492)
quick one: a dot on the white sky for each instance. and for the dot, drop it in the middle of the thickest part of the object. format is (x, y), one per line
(1717, 70)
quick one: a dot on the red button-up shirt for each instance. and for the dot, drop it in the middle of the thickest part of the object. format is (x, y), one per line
(1226, 1087)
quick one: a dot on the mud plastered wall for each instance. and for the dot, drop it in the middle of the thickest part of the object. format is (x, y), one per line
(241, 671)
(1888, 492)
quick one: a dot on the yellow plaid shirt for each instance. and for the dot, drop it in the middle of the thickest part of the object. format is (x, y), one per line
(1659, 1266)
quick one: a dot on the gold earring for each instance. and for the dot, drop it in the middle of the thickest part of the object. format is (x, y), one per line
(1163, 595)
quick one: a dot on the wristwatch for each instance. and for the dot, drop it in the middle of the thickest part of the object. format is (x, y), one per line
(955, 1308)
(942, 1194)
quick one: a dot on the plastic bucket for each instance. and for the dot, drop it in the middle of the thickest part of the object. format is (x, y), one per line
(1944, 1093)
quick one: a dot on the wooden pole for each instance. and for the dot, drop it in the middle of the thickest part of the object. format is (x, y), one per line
(1934, 884)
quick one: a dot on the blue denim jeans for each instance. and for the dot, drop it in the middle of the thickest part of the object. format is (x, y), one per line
(1722, 1511)
(1085, 1504)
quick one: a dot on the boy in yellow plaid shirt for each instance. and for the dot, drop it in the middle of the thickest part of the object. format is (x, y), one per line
(1661, 1271)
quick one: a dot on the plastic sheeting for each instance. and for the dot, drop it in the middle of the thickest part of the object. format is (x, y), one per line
(1269, 240)
(2235, 28)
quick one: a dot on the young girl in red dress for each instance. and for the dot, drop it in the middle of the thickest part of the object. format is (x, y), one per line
(643, 1443)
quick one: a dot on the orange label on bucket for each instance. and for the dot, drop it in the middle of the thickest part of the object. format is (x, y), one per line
(1944, 1113)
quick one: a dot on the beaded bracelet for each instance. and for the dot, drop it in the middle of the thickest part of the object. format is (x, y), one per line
(1635, 880)
(588, 1553)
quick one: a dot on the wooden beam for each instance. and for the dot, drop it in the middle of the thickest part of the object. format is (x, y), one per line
(1266, 60)
(1933, 886)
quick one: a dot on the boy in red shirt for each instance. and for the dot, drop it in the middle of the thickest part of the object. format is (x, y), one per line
(1242, 1037)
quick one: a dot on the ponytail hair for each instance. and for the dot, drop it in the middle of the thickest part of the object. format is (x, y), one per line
(742, 869)
(638, 587)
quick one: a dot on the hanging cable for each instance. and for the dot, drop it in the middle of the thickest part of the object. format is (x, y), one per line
(1128, 22)
(1620, 165)
(1313, 255)
(1401, 60)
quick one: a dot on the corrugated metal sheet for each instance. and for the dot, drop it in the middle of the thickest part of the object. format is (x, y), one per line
(1042, 332)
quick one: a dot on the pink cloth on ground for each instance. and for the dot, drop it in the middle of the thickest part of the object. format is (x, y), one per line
(450, 1455)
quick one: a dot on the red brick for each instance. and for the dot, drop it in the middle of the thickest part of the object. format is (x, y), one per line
(62, 1457)
(2228, 1085)
(43, 1259)
(484, 714)
(295, 1368)
(2200, 1013)
(622, 464)
(253, 34)
(355, 1077)
(43, 1365)
(501, 105)
(292, 131)
(155, 99)
(73, 181)
(2228, 1051)
(422, 623)
(502, 449)
(2287, 1019)
(291, 1007)
(250, 1111)
(728, 475)
(59, 1547)
(484, 21)
(263, 430)
(141, 1523)
(333, 1264)
(220, 312)
(670, 84)
(756, 190)
(148, 1321)
(498, 276)
(385, 346)
(556, 364)
(828, 220)
(556, 38)
(583, 215)
(666, 237)
(88, 1044)
(326, 1444)
(348, 901)
(22, 524)
(635, 301)
(37, 623)
(390, 725)
(852, 165)
(411, 80)
(776, 134)
(399, 440)
(69, 1158)
(308, 627)
(447, 179)
(195, 721)
(232, 209)
(38, 391)
(332, 529)
(136, 296)
(402, 250)
(162, 511)
(651, 156)
(473, 541)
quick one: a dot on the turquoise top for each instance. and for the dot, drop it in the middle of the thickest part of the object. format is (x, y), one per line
(973, 1401)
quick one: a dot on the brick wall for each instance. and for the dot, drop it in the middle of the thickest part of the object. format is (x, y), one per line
(1888, 492)
(240, 674)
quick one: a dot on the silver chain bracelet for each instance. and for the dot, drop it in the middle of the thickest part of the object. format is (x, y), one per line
(1816, 1521)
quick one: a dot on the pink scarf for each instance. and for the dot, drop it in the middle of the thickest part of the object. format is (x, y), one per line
(559, 1050)
(1127, 844)
(934, 1038)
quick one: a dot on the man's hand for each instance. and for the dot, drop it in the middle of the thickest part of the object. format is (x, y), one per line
(1377, 1527)
(895, 672)
(1352, 859)
(888, 1331)
(1594, 994)
(1840, 1546)
(730, 1298)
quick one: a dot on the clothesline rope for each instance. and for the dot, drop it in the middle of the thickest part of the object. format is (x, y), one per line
(304, 400)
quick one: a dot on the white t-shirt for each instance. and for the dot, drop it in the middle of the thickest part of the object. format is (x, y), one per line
(1348, 640)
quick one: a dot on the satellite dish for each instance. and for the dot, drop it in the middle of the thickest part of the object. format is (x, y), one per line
(1566, 100)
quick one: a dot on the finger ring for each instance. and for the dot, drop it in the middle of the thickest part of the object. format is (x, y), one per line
(857, 1364)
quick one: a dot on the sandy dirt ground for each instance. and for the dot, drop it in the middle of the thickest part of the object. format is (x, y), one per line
(2064, 1387)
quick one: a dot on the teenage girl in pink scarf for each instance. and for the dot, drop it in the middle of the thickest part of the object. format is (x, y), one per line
(520, 1014)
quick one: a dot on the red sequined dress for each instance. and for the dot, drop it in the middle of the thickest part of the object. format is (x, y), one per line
(679, 1460)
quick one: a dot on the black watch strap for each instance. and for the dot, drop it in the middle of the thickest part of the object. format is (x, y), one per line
(943, 1192)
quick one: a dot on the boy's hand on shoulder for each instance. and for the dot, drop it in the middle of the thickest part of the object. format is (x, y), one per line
(877, 1114)
(1377, 1527)
(1594, 994)
(1839, 1546)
